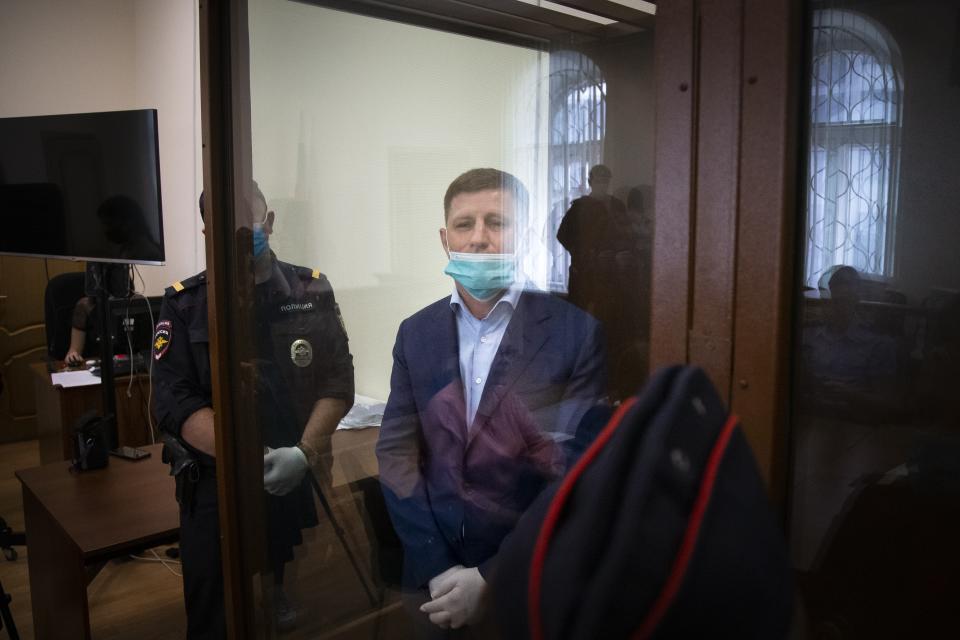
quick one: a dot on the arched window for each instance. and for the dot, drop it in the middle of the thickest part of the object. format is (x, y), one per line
(578, 119)
(857, 97)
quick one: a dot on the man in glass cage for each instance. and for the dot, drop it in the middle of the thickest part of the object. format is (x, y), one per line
(488, 388)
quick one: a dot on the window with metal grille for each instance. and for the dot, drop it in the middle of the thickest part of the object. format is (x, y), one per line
(578, 117)
(855, 113)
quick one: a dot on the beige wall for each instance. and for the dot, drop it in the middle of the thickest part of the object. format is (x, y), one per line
(105, 55)
(359, 125)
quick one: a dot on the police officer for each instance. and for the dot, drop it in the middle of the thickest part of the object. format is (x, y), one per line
(304, 386)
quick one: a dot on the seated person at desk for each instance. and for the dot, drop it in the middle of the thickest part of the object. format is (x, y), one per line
(849, 367)
(487, 389)
(82, 328)
(304, 374)
(84, 332)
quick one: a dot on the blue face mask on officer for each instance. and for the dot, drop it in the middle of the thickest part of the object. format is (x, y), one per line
(261, 232)
(483, 275)
(260, 239)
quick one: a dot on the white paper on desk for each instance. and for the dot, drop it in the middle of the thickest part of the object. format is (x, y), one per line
(66, 379)
(366, 412)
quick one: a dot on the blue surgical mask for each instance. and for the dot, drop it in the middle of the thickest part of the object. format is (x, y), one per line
(483, 275)
(260, 241)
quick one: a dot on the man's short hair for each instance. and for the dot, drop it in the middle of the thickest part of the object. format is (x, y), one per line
(843, 276)
(600, 171)
(256, 193)
(476, 180)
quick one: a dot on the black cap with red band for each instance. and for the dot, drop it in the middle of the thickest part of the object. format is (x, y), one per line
(662, 529)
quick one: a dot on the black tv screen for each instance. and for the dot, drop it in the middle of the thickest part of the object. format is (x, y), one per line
(83, 186)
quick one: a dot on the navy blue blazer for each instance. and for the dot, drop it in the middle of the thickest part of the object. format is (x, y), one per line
(453, 494)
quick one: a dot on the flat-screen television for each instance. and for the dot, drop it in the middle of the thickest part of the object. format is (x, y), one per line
(84, 186)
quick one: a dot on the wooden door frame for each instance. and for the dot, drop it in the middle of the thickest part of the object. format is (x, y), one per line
(726, 207)
(769, 211)
(225, 114)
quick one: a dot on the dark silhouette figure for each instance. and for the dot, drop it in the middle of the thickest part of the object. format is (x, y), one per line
(609, 275)
(125, 226)
(849, 367)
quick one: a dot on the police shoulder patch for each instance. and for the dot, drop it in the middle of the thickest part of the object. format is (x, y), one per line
(162, 338)
(189, 283)
(343, 326)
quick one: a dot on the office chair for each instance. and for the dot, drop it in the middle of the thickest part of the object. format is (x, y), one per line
(7, 541)
(59, 299)
(8, 538)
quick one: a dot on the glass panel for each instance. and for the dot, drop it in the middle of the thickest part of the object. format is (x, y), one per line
(876, 451)
(393, 161)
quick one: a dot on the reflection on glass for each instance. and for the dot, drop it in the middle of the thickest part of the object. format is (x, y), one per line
(578, 123)
(474, 360)
(849, 366)
(300, 399)
(876, 451)
(125, 225)
(855, 119)
(609, 253)
(304, 386)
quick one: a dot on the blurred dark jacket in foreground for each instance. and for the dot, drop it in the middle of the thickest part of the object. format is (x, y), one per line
(663, 529)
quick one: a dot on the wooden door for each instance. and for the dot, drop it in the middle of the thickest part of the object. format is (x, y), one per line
(725, 203)
(23, 338)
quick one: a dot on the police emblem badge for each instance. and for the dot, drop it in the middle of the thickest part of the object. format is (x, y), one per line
(162, 338)
(301, 352)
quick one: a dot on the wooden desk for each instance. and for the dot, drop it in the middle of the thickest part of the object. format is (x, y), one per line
(354, 455)
(76, 522)
(58, 409)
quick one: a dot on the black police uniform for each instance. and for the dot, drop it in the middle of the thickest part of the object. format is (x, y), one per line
(302, 355)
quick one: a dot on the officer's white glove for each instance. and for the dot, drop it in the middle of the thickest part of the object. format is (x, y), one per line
(283, 469)
(458, 598)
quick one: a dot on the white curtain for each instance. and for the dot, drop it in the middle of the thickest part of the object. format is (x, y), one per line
(855, 117)
(577, 128)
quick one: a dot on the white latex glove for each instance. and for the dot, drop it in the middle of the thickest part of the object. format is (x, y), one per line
(283, 469)
(457, 598)
(434, 583)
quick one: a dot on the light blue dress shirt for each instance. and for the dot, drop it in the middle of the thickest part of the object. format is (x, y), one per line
(479, 341)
